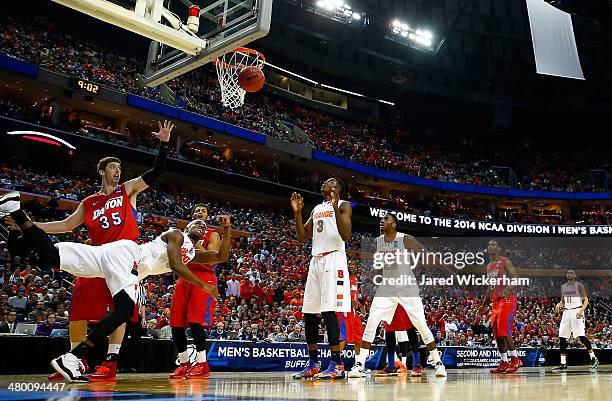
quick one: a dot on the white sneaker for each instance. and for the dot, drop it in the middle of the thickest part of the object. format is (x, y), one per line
(9, 203)
(440, 370)
(357, 371)
(69, 366)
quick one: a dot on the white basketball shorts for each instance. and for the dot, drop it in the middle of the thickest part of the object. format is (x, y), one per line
(328, 286)
(570, 324)
(115, 261)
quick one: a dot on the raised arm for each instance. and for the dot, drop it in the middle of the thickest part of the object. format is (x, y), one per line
(139, 184)
(68, 224)
(343, 213)
(304, 232)
(174, 239)
(217, 250)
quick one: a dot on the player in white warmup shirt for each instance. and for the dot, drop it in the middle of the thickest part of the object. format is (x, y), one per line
(391, 294)
(327, 285)
(573, 302)
(122, 263)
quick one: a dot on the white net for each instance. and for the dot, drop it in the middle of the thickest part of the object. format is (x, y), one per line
(228, 67)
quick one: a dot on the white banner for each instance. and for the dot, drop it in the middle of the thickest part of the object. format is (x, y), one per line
(554, 45)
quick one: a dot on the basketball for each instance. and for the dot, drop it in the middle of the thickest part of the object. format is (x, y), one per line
(251, 79)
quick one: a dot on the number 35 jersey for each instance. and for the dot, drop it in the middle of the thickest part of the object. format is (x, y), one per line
(110, 217)
(325, 235)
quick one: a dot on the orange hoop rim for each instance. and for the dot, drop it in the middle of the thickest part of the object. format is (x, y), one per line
(245, 50)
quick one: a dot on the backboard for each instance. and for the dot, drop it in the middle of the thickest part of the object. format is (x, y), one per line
(185, 34)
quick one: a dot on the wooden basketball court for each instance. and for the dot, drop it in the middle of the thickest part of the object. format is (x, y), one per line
(539, 384)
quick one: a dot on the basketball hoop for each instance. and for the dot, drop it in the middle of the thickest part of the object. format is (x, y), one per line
(229, 66)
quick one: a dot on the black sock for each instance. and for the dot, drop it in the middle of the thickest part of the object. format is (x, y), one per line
(313, 354)
(335, 356)
(80, 350)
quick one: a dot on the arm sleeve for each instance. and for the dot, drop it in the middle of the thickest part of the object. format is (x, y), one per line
(150, 176)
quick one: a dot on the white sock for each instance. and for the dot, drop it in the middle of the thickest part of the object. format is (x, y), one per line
(504, 357)
(201, 357)
(512, 353)
(434, 355)
(73, 345)
(363, 355)
(563, 359)
(114, 348)
(183, 358)
(404, 358)
(592, 354)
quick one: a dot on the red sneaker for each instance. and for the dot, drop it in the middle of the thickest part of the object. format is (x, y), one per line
(199, 371)
(107, 372)
(501, 368)
(417, 371)
(57, 376)
(515, 364)
(181, 371)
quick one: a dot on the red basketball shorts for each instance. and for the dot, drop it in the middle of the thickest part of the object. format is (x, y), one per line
(92, 300)
(351, 327)
(502, 317)
(190, 304)
(400, 321)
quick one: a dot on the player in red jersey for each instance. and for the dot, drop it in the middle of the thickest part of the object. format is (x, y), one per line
(401, 333)
(351, 327)
(109, 215)
(504, 299)
(193, 307)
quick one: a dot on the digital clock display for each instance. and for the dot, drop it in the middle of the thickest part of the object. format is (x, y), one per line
(86, 86)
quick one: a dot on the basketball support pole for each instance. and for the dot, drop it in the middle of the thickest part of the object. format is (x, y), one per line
(143, 21)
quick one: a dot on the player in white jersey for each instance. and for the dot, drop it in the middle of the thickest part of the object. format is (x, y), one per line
(327, 285)
(398, 286)
(573, 302)
(122, 263)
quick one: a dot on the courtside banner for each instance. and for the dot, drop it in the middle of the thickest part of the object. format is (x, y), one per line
(275, 357)
(463, 357)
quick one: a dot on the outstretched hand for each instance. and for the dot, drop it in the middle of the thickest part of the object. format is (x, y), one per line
(164, 131)
(297, 203)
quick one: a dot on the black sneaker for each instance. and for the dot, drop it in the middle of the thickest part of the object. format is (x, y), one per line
(560, 368)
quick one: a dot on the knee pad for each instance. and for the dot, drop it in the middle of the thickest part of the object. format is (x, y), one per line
(390, 341)
(333, 329)
(180, 338)
(413, 338)
(311, 326)
(586, 342)
(199, 336)
(124, 306)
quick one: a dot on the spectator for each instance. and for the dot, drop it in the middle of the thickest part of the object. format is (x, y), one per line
(19, 301)
(219, 333)
(277, 335)
(297, 335)
(9, 324)
(45, 328)
(38, 315)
